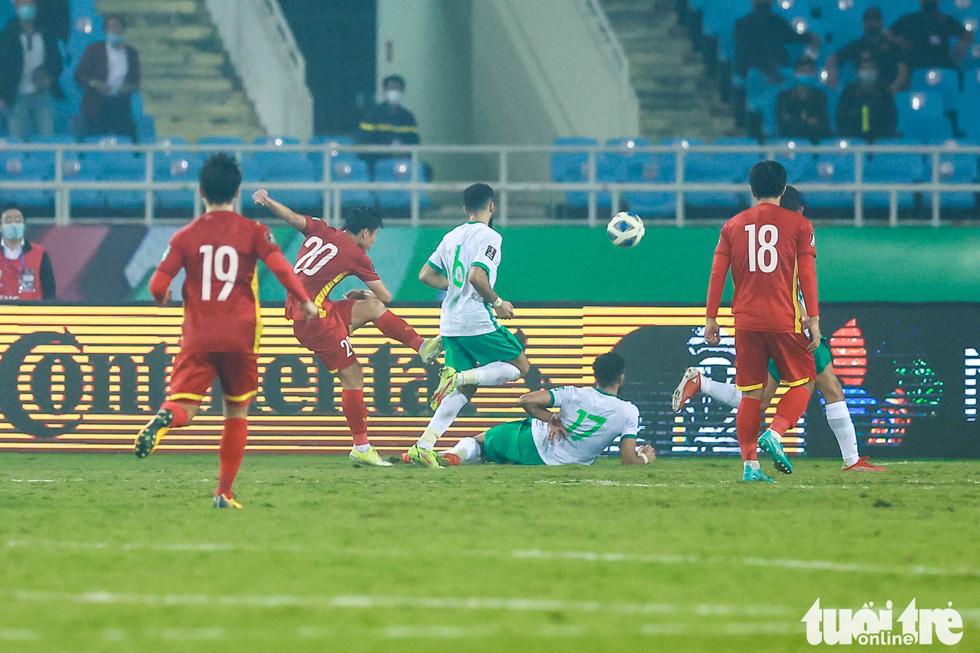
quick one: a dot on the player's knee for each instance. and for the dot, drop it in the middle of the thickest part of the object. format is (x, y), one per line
(523, 365)
(376, 308)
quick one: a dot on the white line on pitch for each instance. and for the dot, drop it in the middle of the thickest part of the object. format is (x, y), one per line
(18, 635)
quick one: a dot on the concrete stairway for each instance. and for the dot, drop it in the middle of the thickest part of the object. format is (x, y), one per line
(188, 85)
(677, 98)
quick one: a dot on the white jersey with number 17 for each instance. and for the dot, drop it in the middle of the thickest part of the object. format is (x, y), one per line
(474, 244)
(593, 419)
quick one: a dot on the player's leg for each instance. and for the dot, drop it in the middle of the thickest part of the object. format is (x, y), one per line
(356, 414)
(693, 382)
(192, 375)
(839, 419)
(423, 451)
(468, 451)
(503, 358)
(750, 380)
(367, 311)
(796, 368)
(239, 375)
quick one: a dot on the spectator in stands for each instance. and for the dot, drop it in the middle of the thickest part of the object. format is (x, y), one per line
(388, 122)
(761, 38)
(25, 268)
(878, 45)
(30, 64)
(109, 74)
(926, 35)
(54, 18)
(801, 111)
(867, 108)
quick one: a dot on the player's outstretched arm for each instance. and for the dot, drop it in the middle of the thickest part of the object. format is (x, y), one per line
(380, 291)
(281, 211)
(160, 287)
(536, 405)
(481, 283)
(433, 278)
(630, 455)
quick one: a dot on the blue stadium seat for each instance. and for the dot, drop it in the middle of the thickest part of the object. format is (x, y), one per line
(627, 158)
(895, 168)
(831, 168)
(220, 143)
(121, 166)
(352, 171)
(77, 167)
(648, 204)
(921, 117)
(572, 167)
(955, 169)
(146, 130)
(945, 81)
(291, 167)
(717, 168)
(176, 166)
(394, 170)
(316, 157)
(18, 165)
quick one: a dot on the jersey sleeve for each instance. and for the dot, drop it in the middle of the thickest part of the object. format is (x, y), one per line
(806, 240)
(263, 242)
(173, 258)
(631, 428)
(488, 254)
(437, 261)
(719, 272)
(310, 225)
(364, 268)
(560, 395)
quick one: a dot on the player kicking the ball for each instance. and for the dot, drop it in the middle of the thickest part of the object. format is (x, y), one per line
(326, 258)
(768, 249)
(589, 421)
(838, 416)
(221, 328)
(479, 352)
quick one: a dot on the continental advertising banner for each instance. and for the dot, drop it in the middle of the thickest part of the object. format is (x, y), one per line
(85, 378)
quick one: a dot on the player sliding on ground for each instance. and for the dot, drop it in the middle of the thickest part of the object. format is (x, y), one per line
(479, 352)
(326, 258)
(768, 249)
(589, 420)
(838, 416)
(221, 328)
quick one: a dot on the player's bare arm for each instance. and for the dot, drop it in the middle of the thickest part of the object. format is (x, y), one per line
(380, 291)
(536, 405)
(629, 454)
(433, 278)
(280, 210)
(481, 283)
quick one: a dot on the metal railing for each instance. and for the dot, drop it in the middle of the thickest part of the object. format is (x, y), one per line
(63, 182)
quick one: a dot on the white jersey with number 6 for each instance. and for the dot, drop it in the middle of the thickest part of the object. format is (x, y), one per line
(474, 244)
(594, 420)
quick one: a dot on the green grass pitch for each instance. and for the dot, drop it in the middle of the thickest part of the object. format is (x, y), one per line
(106, 553)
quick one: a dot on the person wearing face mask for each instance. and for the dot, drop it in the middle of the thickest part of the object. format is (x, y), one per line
(388, 122)
(30, 64)
(109, 74)
(867, 108)
(878, 45)
(801, 111)
(926, 35)
(26, 273)
(761, 38)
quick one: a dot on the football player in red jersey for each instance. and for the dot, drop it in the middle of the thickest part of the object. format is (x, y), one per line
(327, 256)
(221, 328)
(768, 249)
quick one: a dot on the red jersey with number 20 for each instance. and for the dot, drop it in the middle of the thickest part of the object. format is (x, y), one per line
(327, 257)
(769, 249)
(220, 294)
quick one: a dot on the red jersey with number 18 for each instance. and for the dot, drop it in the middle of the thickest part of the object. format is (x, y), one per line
(220, 294)
(327, 257)
(769, 250)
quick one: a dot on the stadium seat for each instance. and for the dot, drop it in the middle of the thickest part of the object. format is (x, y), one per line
(85, 168)
(19, 165)
(176, 167)
(942, 80)
(352, 171)
(833, 168)
(893, 168)
(316, 156)
(290, 167)
(220, 143)
(718, 168)
(572, 167)
(649, 204)
(955, 169)
(398, 170)
(121, 166)
(921, 117)
(626, 158)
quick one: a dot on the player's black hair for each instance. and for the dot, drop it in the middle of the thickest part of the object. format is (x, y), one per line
(792, 200)
(608, 368)
(767, 179)
(119, 17)
(393, 78)
(361, 218)
(476, 197)
(220, 178)
(10, 206)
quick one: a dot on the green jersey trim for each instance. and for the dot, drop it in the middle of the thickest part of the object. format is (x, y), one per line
(436, 267)
(481, 265)
(552, 393)
(605, 393)
(627, 437)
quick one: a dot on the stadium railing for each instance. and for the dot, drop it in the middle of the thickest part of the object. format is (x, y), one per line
(63, 185)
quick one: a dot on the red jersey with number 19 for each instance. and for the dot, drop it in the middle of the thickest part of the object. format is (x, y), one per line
(327, 257)
(220, 294)
(768, 249)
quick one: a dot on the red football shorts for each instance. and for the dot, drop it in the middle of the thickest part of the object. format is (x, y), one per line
(194, 373)
(329, 337)
(753, 349)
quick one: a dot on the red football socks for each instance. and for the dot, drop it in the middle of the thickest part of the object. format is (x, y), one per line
(355, 411)
(180, 415)
(398, 330)
(747, 422)
(791, 407)
(231, 451)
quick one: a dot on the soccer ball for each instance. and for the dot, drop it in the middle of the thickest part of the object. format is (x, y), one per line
(625, 229)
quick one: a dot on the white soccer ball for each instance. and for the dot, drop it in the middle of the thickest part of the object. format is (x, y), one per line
(625, 229)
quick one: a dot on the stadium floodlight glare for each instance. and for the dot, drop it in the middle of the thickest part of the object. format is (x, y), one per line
(84, 25)
(826, 170)
(918, 101)
(844, 5)
(964, 4)
(799, 24)
(970, 24)
(342, 170)
(786, 4)
(824, 75)
(179, 167)
(401, 169)
(946, 169)
(630, 144)
(71, 168)
(934, 77)
(15, 166)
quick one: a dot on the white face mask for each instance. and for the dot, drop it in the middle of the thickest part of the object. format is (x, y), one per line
(393, 96)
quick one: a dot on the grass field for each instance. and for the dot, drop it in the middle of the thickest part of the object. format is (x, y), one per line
(107, 553)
